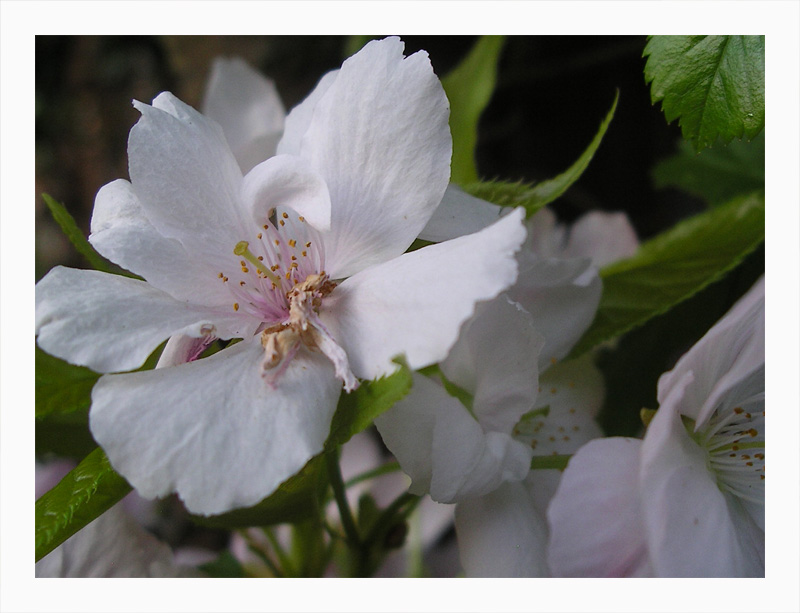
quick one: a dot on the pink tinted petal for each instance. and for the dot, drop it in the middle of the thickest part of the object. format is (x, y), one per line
(495, 359)
(379, 136)
(415, 304)
(729, 353)
(595, 517)
(212, 430)
(286, 181)
(561, 295)
(458, 214)
(692, 528)
(121, 231)
(112, 323)
(502, 535)
(247, 107)
(187, 179)
(603, 237)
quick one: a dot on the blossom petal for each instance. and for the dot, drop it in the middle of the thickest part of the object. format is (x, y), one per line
(729, 353)
(444, 449)
(458, 214)
(187, 179)
(380, 138)
(495, 359)
(603, 237)
(300, 117)
(502, 535)
(113, 545)
(212, 430)
(562, 296)
(693, 529)
(112, 323)
(121, 232)
(416, 303)
(595, 517)
(247, 107)
(287, 181)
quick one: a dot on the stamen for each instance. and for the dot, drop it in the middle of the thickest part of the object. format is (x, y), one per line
(242, 249)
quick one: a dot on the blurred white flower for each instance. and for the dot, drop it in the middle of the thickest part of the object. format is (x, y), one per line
(688, 500)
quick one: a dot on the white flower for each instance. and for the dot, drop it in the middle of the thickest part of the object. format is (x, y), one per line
(362, 165)
(688, 500)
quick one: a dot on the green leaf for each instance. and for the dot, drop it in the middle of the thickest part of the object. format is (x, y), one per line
(469, 87)
(535, 197)
(65, 434)
(67, 224)
(359, 408)
(674, 266)
(85, 493)
(714, 84)
(295, 500)
(61, 387)
(549, 462)
(715, 175)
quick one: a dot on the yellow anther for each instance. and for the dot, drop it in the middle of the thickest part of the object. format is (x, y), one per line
(285, 215)
(245, 269)
(241, 283)
(308, 244)
(294, 265)
(277, 242)
(301, 218)
(220, 275)
(305, 253)
(224, 279)
(261, 258)
(259, 235)
(235, 306)
(292, 242)
(280, 221)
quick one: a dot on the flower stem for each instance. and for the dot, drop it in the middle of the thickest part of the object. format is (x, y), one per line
(337, 483)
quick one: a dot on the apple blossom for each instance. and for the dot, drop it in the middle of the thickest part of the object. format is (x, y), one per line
(688, 500)
(302, 258)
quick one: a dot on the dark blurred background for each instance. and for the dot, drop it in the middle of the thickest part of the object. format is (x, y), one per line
(551, 95)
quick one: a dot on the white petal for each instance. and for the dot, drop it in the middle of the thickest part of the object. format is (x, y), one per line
(495, 359)
(212, 430)
(247, 106)
(121, 232)
(603, 237)
(692, 528)
(444, 449)
(112, 323)
(113, 545)
(502, 535)
(458, 214)
(595, 517)
(562, 296)
(380, 138)
(300, 117)
(287, 181)
(415, 304)
(187, 179)
(729, 353)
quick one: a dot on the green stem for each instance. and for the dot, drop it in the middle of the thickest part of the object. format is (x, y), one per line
(389, 467)
(348, 523)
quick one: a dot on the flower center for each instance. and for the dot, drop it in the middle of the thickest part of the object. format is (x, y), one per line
(734, 441)
(281, 282)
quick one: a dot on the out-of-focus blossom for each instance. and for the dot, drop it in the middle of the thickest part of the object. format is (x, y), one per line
(688, 500)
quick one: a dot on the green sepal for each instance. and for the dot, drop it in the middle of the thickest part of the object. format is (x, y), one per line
(85, 493)
(713, 84)
(674, 266)
(536, 196)
(715, 175)
(469, 87)
(296, 499)
(357, 410)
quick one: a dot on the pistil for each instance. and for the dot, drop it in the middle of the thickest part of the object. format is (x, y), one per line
(242, 249)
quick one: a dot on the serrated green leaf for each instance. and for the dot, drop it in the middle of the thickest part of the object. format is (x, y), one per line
(674, 266)
(85, 493)
(61, 387)
(359, 408)
(469, 87)
(295, 500)
(714, 84)
(535, 197)
(68, 226)
(715, 175)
